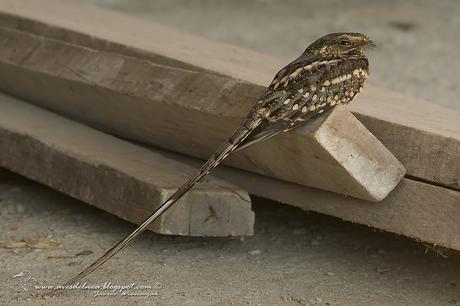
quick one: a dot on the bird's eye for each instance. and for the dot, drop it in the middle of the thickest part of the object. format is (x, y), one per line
(345, 43)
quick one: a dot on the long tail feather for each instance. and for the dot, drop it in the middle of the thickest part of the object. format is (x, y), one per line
(226, 149)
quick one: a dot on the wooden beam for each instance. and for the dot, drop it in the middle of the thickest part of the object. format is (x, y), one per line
(414, 209)
(425, 137)
(191, 113)
(116, 176)
(123, 178)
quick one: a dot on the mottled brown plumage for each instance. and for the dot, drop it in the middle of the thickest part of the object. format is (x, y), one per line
(329, 72)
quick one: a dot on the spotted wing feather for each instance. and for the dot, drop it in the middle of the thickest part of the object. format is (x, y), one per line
(308, 87)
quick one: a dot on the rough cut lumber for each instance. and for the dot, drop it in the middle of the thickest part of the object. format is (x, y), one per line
(414, 209)
(36, 143)
(425, 137)
(116, 176)
(191, 113)
(122, 178)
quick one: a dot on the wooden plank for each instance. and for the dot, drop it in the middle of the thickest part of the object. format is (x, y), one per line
(190, 112)
(414, 209)
(109, 173)
(116, 176)
(122, 178)
(137, 37)
(425, 137)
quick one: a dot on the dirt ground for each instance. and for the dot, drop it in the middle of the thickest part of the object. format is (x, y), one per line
(295, 257)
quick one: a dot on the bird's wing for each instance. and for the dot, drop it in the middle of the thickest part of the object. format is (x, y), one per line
(279, 127)
(274, 130)
(285, 103)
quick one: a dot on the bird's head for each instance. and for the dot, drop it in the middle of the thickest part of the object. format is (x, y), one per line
(340, 45)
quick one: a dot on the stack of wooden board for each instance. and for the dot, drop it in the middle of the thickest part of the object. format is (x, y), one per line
(160, 87)
(115, 175)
